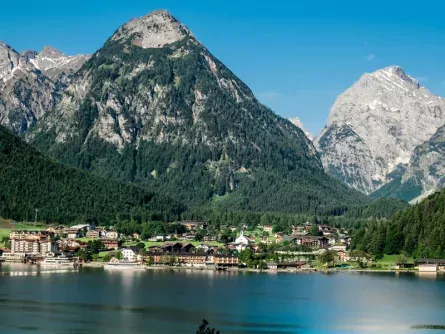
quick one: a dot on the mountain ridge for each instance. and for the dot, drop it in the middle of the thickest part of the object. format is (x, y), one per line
(31, 82)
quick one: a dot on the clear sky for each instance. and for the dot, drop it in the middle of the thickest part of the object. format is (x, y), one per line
(297, 56)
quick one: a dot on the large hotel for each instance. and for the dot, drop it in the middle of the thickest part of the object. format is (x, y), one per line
(31, 242)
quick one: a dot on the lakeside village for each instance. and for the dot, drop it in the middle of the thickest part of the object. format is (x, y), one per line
(309, 247)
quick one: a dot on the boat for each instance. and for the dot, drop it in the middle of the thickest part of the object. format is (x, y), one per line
(123, 264)
(60, 261)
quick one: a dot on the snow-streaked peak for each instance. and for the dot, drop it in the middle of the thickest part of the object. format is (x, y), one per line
(390, 114)
(54, 63)
(297, 122)
(396, 78)
(154, 30)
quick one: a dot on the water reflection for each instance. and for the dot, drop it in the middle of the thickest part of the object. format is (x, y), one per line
(156, 301)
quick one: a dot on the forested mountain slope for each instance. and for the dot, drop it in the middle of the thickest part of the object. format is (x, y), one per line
(419, 230)
(29, 181)
(153, 106)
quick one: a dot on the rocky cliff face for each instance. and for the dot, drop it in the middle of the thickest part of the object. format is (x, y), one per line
(375, 126)
(28, 86)
(424, 174)
(154, 106)
(25, 93)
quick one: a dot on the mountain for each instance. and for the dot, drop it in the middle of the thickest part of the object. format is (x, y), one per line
(30, 84)
(375, 126)
(417, 230)
(297, 122)
(424, 174)
(25, 93)
(153, 106)
(58, 66)
(29, 181)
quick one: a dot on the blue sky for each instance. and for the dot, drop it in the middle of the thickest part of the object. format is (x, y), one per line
(297, 56)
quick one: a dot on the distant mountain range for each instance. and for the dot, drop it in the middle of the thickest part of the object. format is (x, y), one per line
(384, 136)
(154, 107)
(30, 84)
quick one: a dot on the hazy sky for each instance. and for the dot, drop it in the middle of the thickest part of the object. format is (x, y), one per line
(297, 56)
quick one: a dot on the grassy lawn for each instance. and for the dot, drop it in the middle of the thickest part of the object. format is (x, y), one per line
(260, 233)
(390, 260)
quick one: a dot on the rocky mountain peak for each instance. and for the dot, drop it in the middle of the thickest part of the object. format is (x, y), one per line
(9, 59)
(396, 77)
(375, 125)
(154, 30)
(51, 52)
(297, 122)
(56, 65)
(28, 54)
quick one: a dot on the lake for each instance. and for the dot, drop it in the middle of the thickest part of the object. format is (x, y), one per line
(94, 300)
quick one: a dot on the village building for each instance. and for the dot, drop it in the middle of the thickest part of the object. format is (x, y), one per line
(268, 228)
(111, 234)
(192, 259)
(72, 233)
(31, 242)
(32, 246)
(130, 253)
(278, 237)
(209, 238)
(18, 234)
(59, 230)
(111, 244)
(191, 225)
(312, 242)
(342, 255)
(242, 242)
(430, 265)
(338, 247)
(299, 229)
(189, 236)
(70, 244)
(220, 260)
(92, 234)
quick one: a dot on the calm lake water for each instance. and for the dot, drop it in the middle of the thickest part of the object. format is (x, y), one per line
(94, 300)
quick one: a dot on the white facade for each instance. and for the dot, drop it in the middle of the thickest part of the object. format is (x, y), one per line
(35, 247)
(129, 255)
(427, 268)
(242, 240)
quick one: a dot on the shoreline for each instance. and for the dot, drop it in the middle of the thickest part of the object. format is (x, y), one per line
(236, 269)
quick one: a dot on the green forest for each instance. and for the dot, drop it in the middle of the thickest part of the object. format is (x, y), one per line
(29, 181)
(418, 231)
